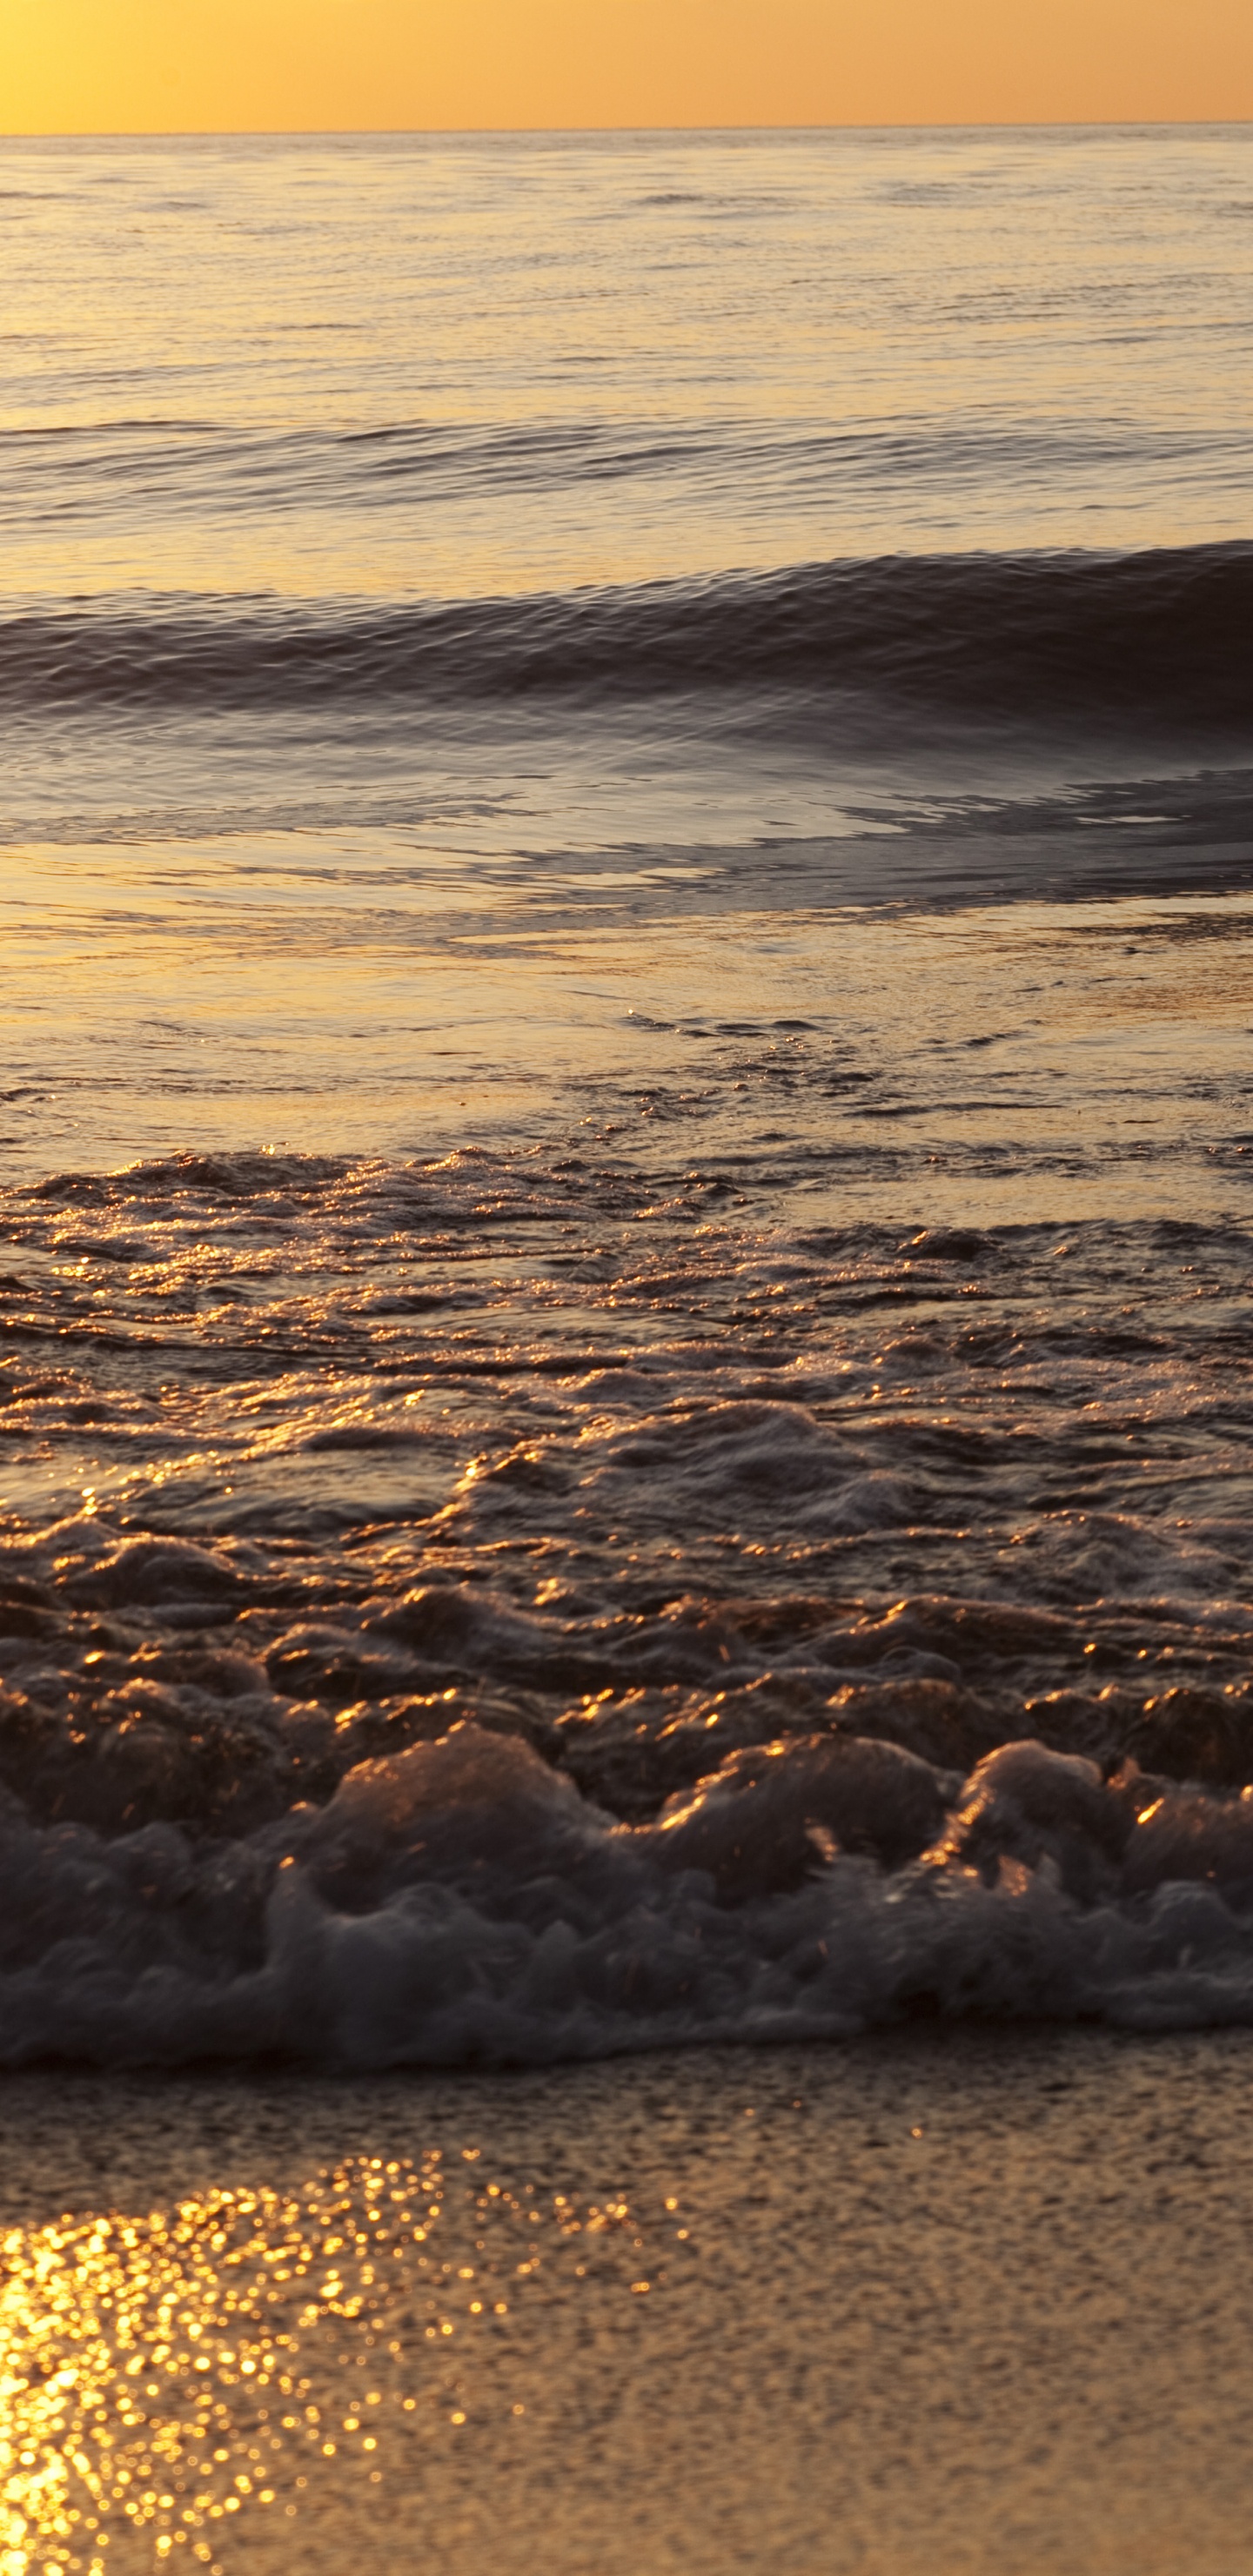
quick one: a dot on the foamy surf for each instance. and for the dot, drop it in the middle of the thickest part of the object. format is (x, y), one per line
(463, 1651)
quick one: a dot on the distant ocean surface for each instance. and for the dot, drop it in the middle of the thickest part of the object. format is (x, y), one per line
(626, 776)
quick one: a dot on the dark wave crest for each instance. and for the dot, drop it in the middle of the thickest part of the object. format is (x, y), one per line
(1146, 637)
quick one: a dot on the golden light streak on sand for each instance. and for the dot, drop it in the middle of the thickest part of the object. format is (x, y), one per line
(969, 2300)
(162, 2373)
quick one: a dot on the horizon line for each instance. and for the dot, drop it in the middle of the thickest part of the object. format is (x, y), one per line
(437, 133)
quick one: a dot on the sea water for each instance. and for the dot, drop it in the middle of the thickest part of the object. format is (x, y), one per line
(627, 1090)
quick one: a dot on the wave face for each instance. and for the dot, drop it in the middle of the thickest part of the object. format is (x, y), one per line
(1155, 639)
(657, 535)
(424, 1644)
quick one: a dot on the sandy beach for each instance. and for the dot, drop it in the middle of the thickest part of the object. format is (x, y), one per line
(966, 2302)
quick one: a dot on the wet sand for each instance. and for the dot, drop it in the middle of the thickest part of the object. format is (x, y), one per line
(962, 2301)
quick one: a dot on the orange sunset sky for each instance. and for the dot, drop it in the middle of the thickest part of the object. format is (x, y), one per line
(83, 66)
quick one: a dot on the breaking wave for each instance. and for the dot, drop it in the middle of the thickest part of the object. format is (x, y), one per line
(460, 1902)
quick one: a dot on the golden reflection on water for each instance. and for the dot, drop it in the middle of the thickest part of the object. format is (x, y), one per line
(164, 2374)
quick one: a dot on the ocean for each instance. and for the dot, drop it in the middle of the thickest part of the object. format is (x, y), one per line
(627, 1123)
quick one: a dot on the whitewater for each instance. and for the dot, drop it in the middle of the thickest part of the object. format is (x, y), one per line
(627, 1101)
